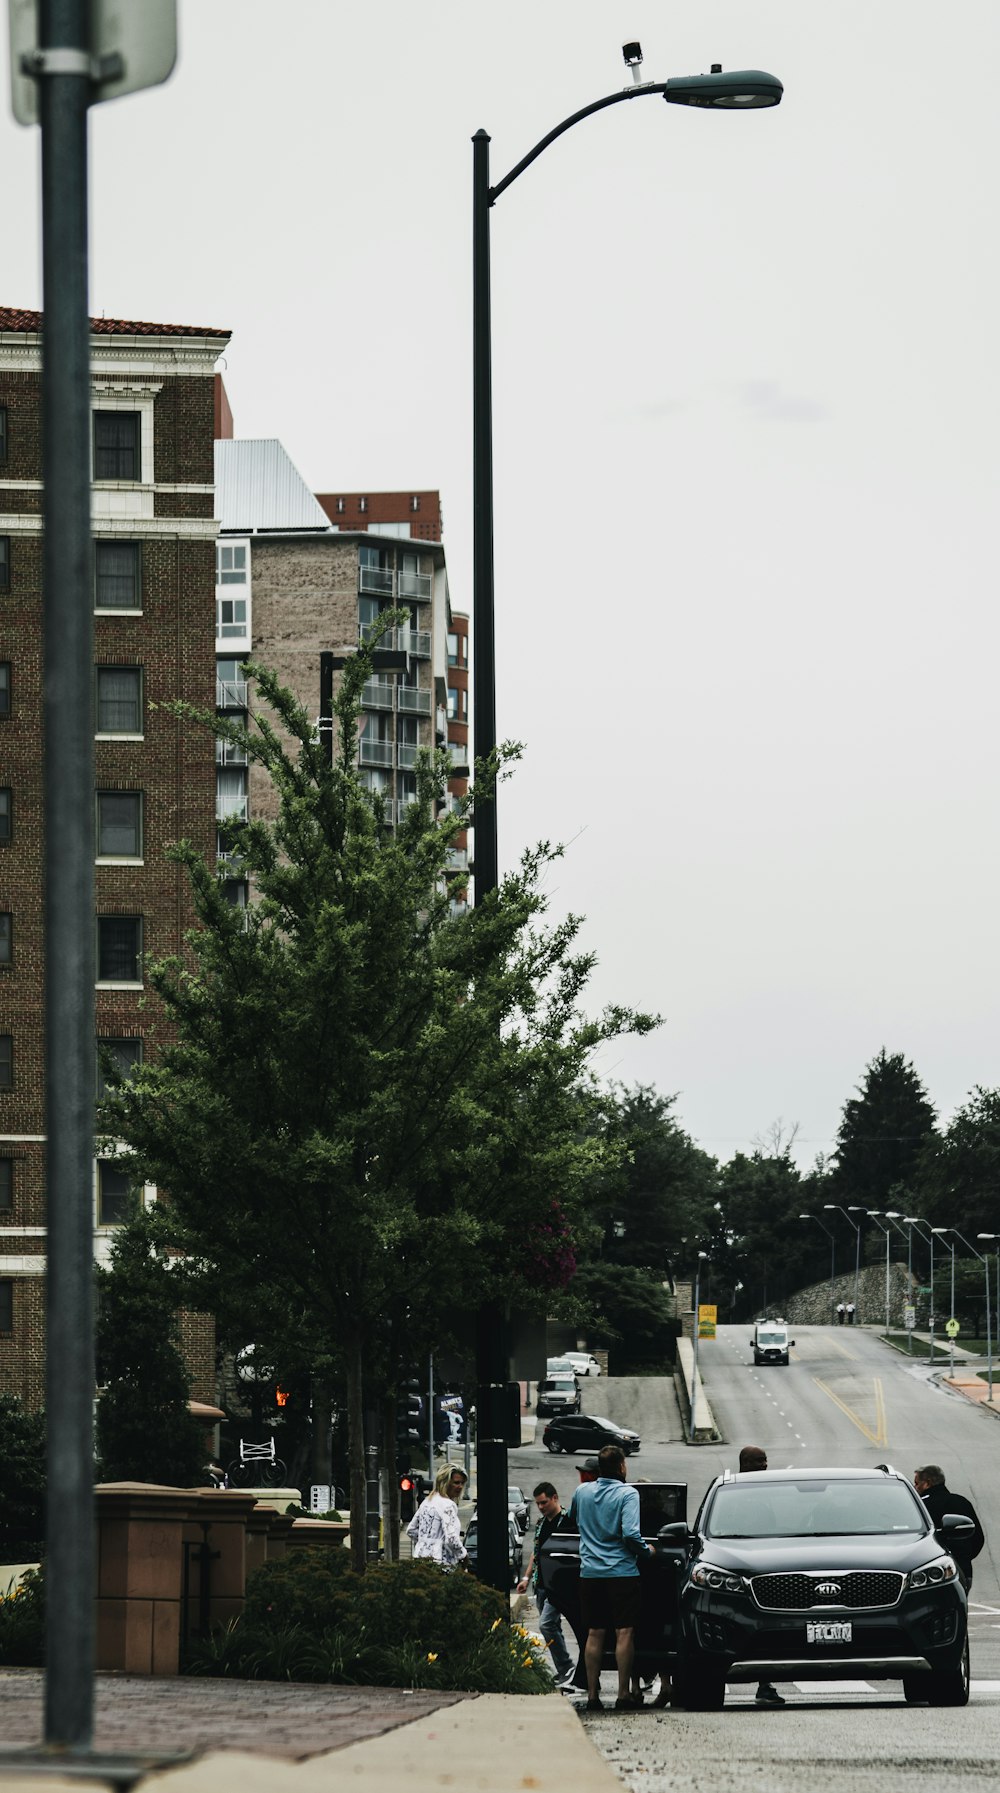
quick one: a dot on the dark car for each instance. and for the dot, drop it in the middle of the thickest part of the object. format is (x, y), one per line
(657, 1637)
(587, 1432)
(818, 1575)
(515, 1541)
(517, 1507)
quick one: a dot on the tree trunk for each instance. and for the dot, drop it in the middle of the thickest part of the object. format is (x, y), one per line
(321, 1454)
(391, 1477)
(356, 1453)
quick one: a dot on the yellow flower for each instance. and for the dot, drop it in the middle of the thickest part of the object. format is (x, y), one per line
(495, 1623)
(527, 1662)
(432, 1655)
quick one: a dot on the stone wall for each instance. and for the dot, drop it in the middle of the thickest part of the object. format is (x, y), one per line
(815, 1306)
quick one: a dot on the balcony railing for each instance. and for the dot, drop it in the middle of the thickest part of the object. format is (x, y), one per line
(375, 696)
(441, 723)
(374, 753)
(406, 754)
(230, 694)
(412, 701)
(459, 755)
(230, 753)
(231, 809)
(417, 586)
(457, 859)
(375, 580)
(400, 641)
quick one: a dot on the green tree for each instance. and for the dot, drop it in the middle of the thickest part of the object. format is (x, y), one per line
(768, 1247)
(884, 1133)
(144, 1430)
(369, 1112)
(959, 1174)
(22, 1483)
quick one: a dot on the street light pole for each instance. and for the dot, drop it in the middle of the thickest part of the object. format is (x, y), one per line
(989, 1333)
(827, 1207)
(940, 1232)
(702, 1255)
(873, 1214)
(996, 1305)
(918, 1221)
(833, 1250)
(742, 90)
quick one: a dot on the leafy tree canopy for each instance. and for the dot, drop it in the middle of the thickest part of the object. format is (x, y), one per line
(884, 1130)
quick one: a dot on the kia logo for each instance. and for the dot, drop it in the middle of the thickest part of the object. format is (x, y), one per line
(828, 1587)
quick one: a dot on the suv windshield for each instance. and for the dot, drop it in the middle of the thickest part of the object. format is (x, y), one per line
(812, 1509)
(769, 1335)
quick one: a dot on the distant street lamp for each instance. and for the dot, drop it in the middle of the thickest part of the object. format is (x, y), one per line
(873, 1214)
(989, 1334)
(833, 1250)
(744, 90)
(702, 1257)
(939, 1232)
(996, 1304)
(827, 1208)
(917, 1220)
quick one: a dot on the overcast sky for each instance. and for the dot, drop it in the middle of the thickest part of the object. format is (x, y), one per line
(746, 455)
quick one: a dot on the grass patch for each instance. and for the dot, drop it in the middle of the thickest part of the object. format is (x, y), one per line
(921, 1347)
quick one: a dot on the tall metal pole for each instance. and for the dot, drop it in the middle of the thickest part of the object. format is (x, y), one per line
(694, 1356)
(69, 881)
(909, 1285)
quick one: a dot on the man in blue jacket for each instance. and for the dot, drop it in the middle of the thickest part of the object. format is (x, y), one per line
(606, 1515)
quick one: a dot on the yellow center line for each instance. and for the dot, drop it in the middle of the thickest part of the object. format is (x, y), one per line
(843, 1349)
(879, 1436)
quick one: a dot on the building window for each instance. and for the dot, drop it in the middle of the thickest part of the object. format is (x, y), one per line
(3, 432)
(116, 445)
(235, 891)
(119, 700)
(6, 814)
(452, 649)
(117, 569)
(415, 502)
(117, 1196)
(119, 824)
(230, 794)
(6, 1185)
(452, 702)
(4, 562)
(6, 939)
(6, 1061)
(4, 690)
(7, 1304)
(231, 564)
(121, 1056)
(119, 949)
(341, 506)
(362, 505)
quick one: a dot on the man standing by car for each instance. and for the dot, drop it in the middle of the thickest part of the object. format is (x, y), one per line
(551, 1517)
(929, 1483)
(754, 1457)
(606, 1515)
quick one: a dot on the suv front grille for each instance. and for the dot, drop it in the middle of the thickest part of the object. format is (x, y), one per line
(801, 1593)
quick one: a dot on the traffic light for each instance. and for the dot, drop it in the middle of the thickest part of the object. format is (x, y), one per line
(407, 1498)
(409, 1419)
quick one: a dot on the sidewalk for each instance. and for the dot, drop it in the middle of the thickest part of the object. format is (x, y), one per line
(271, 1737)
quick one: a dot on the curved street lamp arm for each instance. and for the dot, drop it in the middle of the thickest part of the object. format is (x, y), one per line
(612, 99)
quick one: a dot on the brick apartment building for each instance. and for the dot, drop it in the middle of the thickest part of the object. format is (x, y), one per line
(300, 578)
(154, 404)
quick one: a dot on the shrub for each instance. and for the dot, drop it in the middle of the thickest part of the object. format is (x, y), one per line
(310, 1617)
(22, 1482)
(22, 1621)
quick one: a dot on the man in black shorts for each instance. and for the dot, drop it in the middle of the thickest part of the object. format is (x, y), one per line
(606, 1515)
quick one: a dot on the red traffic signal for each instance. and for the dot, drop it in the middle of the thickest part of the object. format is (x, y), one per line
(406, 1484)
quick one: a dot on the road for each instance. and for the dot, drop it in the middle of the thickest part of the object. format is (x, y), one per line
(843, 1399)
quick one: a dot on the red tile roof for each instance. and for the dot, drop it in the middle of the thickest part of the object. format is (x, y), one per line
(11, 318)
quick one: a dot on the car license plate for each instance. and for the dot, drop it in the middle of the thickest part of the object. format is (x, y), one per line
(828, 1631)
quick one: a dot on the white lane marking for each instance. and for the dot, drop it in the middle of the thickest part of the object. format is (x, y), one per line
(984, 1686)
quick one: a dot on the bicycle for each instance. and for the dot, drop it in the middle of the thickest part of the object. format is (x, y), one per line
(257, 1466)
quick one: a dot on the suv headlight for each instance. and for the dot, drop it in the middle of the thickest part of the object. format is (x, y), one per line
(943, 1568)
(706, 1575)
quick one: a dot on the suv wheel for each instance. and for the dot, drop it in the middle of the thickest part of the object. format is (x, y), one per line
(701, 1689)
(949, 1687)
(551, 1444)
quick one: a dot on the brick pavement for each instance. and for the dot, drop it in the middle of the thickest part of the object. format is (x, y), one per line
(135, 1715)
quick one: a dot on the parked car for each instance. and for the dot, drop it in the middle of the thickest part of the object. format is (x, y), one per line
(583, 1363)
(587, 1432)
(818, 1575)
(517, 1507)
(558, 1394)
(658, 1635)
(770, 1342)
(515, 1542)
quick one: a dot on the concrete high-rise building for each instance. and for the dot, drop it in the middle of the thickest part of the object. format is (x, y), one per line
(153, 402)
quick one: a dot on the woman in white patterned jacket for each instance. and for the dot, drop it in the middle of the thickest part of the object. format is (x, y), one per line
(435, 1527)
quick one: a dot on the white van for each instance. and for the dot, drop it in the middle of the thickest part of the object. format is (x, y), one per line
(770, 1342)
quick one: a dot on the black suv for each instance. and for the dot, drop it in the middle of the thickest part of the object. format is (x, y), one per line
(821, 1574)
(588, 1432)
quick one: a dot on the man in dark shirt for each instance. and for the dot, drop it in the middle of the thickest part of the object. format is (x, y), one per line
(551, 1517)
(929, 1483)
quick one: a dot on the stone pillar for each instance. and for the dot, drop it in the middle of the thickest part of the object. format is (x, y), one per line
(139, 1571)
(216, 1519)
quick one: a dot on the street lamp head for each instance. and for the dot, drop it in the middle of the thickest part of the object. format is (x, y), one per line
(913, 1220)
(807, 1216)
(988, 1235)
(632, 54)
(741, 90)
(893, 1214)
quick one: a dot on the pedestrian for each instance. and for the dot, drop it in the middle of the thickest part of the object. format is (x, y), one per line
(551, 1519)
(841, 1313)
(435, 1528)
(938, 1498)
(606, 1515)
(753, 1457)
(850, 1313)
